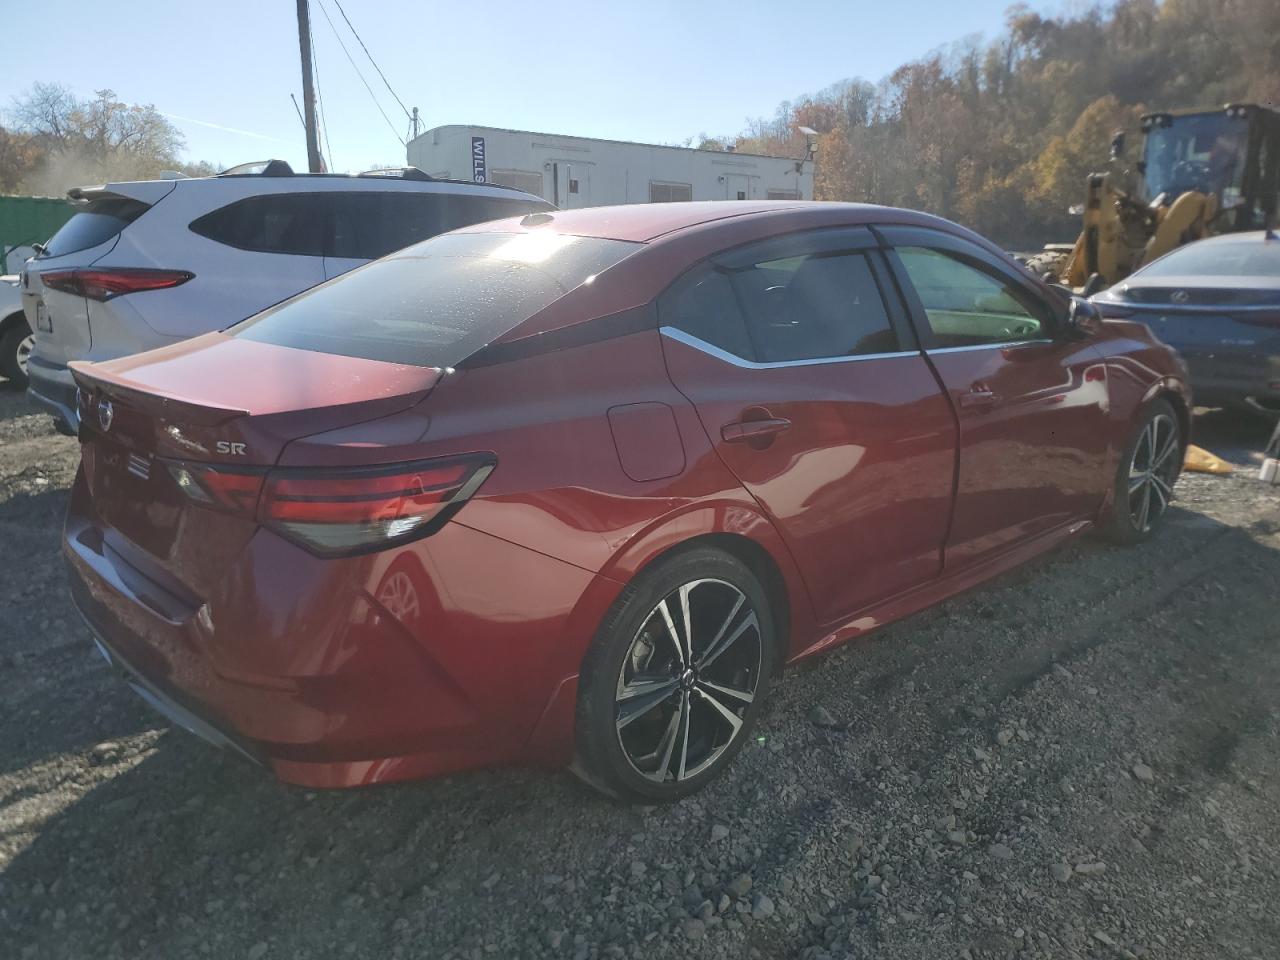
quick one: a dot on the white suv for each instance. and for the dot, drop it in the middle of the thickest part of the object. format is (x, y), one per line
(147, 264)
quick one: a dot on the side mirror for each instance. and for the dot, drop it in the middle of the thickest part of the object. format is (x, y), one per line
(1083, 318)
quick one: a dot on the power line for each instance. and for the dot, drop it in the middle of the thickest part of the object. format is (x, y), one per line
(371, 60)
(359, 74)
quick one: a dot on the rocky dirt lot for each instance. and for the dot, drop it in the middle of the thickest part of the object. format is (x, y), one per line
(1079, 760)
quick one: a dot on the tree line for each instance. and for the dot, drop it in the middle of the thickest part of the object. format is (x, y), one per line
(54, 140)
(1001, 135)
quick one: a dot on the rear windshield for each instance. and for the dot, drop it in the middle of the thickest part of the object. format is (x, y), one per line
(96, 222)
(1260, 258)
(438, 302)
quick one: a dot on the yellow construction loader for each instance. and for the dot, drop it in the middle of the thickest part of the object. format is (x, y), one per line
(1201, 173)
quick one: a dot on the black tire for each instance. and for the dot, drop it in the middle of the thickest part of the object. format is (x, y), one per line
(1124, 520)
(16, 334)
(634, 650)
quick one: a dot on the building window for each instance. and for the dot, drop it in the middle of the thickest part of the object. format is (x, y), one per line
(784, 194)
(526, 180)
(573, 184)
(662, 192)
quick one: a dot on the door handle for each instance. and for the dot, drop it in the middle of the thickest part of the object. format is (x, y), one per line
(979, 398)
(744, 431)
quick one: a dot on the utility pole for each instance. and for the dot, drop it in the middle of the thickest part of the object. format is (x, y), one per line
(314, 163)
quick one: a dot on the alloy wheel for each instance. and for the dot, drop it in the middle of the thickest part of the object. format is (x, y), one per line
(25, 346)
(691, 672)
(1152, 471)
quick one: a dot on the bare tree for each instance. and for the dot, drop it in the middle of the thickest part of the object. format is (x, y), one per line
(71, 141)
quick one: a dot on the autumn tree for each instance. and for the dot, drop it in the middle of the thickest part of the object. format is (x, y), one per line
(56, 140)
(1000, 135)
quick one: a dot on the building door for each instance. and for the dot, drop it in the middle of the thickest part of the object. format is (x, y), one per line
(737, 186)
(571, 184)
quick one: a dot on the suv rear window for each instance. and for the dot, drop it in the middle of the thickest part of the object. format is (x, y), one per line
(438, 302)
(369, 225)
(276, 223)
(356, 224)
(95, 223)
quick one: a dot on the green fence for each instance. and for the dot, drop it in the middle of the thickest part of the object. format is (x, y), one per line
(28, 220)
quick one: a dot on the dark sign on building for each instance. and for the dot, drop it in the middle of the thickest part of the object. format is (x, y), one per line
(478, 172)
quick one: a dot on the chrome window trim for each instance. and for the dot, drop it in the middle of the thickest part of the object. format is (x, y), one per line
(689, 340)
(1004, 345)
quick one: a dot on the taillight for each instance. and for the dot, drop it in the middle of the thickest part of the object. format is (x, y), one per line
(105, 283)
(219, 487)
(339, 512)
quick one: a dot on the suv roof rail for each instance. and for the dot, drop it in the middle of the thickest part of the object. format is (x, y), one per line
(402, 173)
(259, 168)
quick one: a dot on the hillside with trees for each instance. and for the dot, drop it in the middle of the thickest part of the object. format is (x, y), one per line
(1000, 135)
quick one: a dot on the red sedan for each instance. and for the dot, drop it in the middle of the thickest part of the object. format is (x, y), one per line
(572, 489)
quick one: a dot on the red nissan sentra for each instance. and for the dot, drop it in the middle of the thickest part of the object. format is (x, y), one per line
(572, 489)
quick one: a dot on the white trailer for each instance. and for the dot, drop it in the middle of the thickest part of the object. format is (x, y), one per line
(585, 172)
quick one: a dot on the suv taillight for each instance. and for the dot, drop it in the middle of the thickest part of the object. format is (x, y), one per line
(342, 512)
(105, 283)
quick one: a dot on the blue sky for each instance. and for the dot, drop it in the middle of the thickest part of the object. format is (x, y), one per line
(655, 71)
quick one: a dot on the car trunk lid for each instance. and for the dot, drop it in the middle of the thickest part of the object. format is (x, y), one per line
(176, 441)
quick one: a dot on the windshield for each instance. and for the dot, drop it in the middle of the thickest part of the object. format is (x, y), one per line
(1253, 258)
(436, 303)
(1204, 152)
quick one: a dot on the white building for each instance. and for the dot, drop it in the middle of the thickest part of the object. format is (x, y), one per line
(583, 172)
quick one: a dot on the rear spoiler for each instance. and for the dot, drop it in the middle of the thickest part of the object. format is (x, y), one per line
(149, 192)
(90, 377)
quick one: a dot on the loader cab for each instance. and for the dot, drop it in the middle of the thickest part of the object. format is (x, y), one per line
(1232, 154)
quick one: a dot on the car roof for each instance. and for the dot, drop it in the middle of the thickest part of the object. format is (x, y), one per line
(645, 222)
(150, 191)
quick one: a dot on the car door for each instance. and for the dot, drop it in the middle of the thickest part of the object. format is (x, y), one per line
(1031, 401)
(811, 387)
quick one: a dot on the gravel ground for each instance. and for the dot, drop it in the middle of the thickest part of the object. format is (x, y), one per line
(1079, 760)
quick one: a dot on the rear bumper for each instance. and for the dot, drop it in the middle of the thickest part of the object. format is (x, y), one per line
(52, 386)
(343, 673)
(1228, 376)
(171, 705)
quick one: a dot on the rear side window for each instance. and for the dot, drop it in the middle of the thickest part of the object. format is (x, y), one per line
(368, 225)
(797, 308)
(95, 223)
(436, 303)
(290, 223)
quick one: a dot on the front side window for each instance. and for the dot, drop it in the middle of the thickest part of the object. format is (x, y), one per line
(966, 306)
(438, 302)
(290, 223)
(805, 307)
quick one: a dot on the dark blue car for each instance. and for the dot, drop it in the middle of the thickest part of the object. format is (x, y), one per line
(1217, 302)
